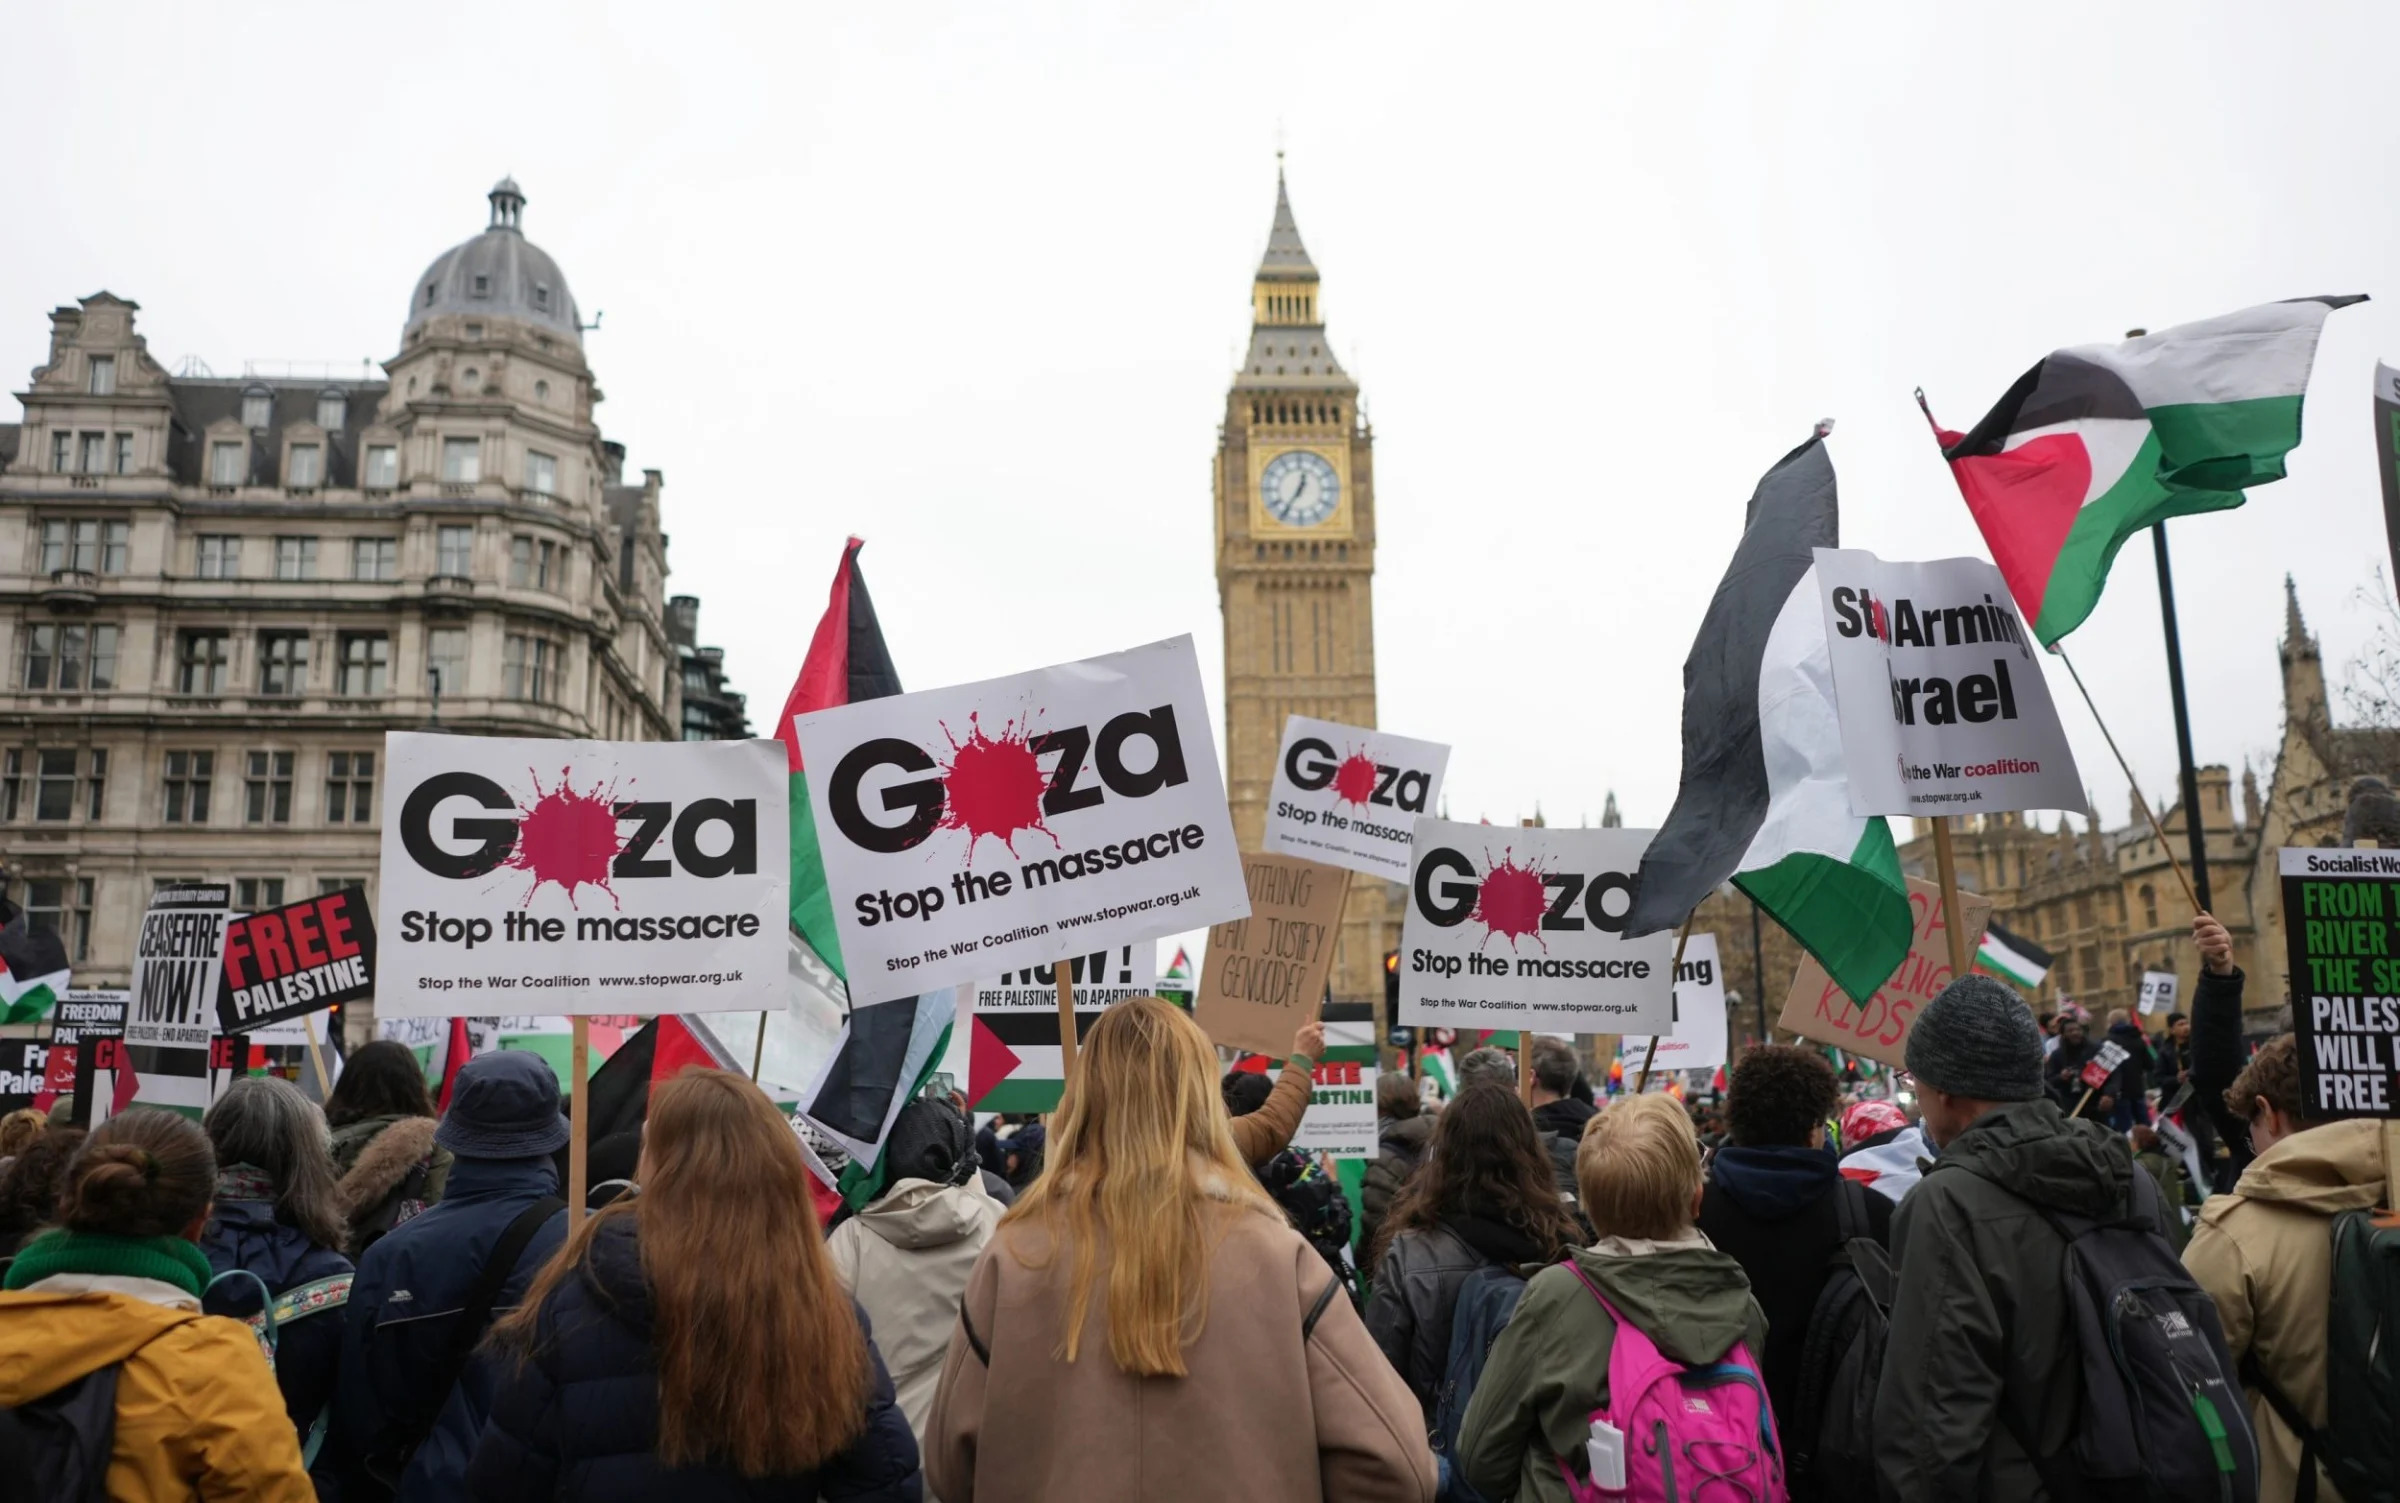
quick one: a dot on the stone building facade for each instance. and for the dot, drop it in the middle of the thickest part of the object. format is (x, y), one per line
(217, 595)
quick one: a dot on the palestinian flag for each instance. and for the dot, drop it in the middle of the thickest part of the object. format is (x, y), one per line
(33, 970)
(2011, 957)
(1765, 800)
(883, 1060)
(1434, 1065)
(663, 1048)
(2098, 442)
(1175, 983)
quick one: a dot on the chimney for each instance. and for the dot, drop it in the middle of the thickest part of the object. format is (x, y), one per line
(612, 461)
(683, 620)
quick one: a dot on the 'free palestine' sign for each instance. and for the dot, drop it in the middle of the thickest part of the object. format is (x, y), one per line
(2341, 922)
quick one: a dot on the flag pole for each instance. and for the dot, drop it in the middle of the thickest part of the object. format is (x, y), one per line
(2156, 828)
(2197, 883)
(1758, 974)
(579, 1060)
(1948, 865)
(1681, 936)
(758, 1056)
(1065, 973)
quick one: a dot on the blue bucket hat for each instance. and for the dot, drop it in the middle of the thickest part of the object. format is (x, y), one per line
(503, 1105)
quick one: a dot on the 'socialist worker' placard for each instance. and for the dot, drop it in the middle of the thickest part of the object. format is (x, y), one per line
(2341, 922)
(985, 827)
(301, 958)
(580, 877)
(1350, 797)
(1264, 975)
(1523, 928)
(1943, 705)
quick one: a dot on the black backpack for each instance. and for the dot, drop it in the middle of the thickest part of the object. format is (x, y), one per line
(2360, 1444)
(2163, 1419)
(1487, 1301)
(1831, 1446)
(59, 1444)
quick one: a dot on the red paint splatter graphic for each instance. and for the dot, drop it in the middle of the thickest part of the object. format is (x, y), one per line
(567, 837)
(1879, 620)
(993, 785)
(1354, 780)
(1511, 900)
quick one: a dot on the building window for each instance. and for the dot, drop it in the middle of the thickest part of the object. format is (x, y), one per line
(533, 564)
(2083, 910)
(92, 547)
(257, 894)
(64, 907)
(188, 776)
(103, 381)
(2149, 906)
(54, 784)
(383, 467)
(541, 296)
(366, 659)
(529, 668)
(258, 409)
(349, 787)
(541, 391)
(541, 473)
(375, 558)
(307, 468)
(201, 663)
(225, 462)
(95, 452)
(332, 410)
(2091, 968)
(474, 331)
(267, 792)
(68, 659)
(446, 659)
(282, 662)
(124, 454)
(470, 379)
(454, 551)
(62, 449)
(95, 787)
(12, 782)
(326, 886)
(295, 558)
(483, 285)
(220, 556)
(462, 460)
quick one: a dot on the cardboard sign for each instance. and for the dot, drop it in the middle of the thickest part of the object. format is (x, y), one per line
(2341, 909)
(1264, 975)
(301, 958)
(583, 876)
(1340, 1119)
(1817, 1009)
(1698, 1040)
(2158, 991)
(1350, 797)
(1521, 928)
(2099, 1067)
(1014, 1063)
(1943, 706)
(988, 827)
(178, 962)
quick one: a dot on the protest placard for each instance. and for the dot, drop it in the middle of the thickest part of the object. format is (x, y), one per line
(2341, 909)
(582, 876)
(991, 826)
(1014, 1062)
(2102, 1065)
(1943, 706)
(1264, 975)
(24, 1072)
(2158, 991)
(1523, 928)
(1698, 1040)
(298, 959)
(1340, 1118)
(1349, 797)
(1817, 1009)
(87, 1042)
(178, 962)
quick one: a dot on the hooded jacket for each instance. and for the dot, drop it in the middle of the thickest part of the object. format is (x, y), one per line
(2264, 1253)
(1560, 1124)
(1775, 1212)
(2062, 1075)
(1549, 1369)
(1981, 1361)
(905, 1259)
(198, 1415)
(1400, 1144)
(1264, 1413)
(579, 1419)
(375, 1157)
(1417, 1287)
(308, 1351)
(2132, 1080)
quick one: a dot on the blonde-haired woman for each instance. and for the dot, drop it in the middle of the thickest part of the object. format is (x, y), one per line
(1144, 1300)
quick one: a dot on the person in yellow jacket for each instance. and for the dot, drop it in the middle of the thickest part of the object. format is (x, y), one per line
(119, 1282)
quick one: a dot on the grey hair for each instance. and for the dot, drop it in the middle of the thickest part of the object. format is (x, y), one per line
(1487, 1063)
(269, 1125)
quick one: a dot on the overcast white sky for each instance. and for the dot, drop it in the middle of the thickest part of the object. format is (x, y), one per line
(969, 279)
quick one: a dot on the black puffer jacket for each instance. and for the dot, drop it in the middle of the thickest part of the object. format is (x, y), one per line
(580, 1419)
(1561, 1125)
(1400, 1144)
(1416, 1292)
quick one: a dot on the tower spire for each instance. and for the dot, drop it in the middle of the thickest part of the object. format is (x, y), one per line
(1286, 259)
(2296, 640)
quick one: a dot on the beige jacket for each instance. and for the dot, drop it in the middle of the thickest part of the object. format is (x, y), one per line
(905, 1259)
(1268, 1131)
(2265, 1254)
(1261, 1415)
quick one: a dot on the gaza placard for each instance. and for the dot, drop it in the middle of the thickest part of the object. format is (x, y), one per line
(1943, 706)
(580, 877)
(992, 826)
(1349, 797)
(1524, 928)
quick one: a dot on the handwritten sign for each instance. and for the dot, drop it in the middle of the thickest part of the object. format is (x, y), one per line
(1264, 975)
(1816, 1009)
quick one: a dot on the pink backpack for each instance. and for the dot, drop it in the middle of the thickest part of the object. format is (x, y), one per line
(1692, 1434)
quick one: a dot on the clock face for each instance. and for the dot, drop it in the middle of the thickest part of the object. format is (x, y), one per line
(1299, 489)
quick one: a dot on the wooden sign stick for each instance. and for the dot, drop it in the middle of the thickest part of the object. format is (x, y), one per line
(1948, 865)
(316, 1055)
(579, 1060)
(1681, 935)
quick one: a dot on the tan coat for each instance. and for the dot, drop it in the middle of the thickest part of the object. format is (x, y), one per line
(1268, 1131)
(2265, 1255)
(1260, 1415)
(906, 1259)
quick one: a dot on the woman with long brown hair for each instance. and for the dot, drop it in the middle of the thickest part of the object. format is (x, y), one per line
(1145, 1324)
(692, 1341)
(1484, 1196)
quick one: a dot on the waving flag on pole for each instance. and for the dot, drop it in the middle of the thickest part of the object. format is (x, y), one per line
(33, 967)
(2097, 442)
(1765, 800)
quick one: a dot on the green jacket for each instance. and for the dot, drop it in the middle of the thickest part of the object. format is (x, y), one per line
(1980, 1359)
(1549, 1369)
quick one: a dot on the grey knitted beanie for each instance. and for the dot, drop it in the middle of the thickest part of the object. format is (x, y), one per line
(1977, 1039)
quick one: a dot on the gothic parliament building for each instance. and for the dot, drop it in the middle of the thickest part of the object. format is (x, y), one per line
(1295, 534)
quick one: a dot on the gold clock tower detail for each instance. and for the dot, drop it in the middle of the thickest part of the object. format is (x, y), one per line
(1295, 529)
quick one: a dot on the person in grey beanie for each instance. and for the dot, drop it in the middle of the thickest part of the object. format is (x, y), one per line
(1981, 1381)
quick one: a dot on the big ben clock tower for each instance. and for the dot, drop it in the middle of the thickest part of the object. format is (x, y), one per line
(1295, 498)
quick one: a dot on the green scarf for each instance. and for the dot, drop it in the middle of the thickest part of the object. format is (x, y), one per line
(170, 1260)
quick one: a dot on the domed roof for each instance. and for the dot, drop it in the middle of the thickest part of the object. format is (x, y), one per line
(499, 273)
